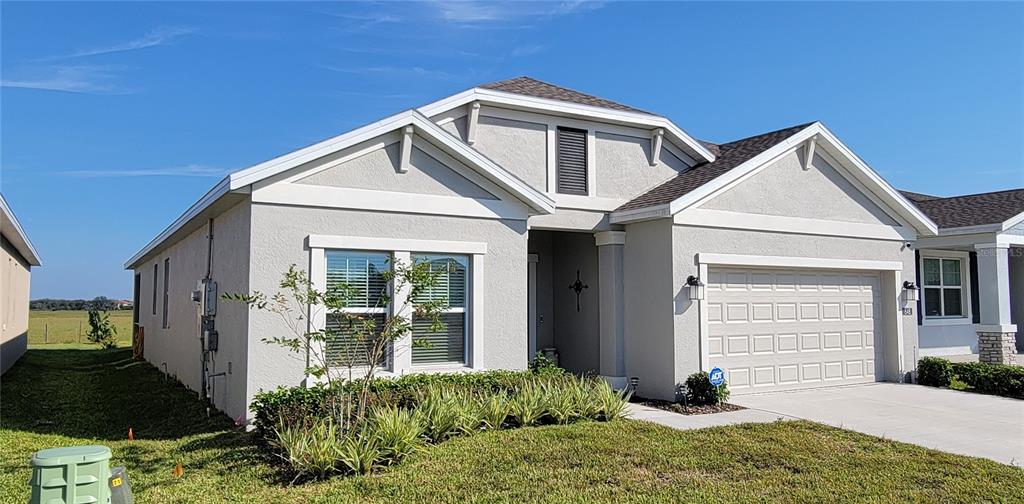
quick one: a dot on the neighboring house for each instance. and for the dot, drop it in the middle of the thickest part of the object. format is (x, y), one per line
(18, 257)
(575, 226)
(972, 275)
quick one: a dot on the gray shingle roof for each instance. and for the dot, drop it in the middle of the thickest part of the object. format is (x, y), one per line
(532, 87)
(971, 209)
(727, 156)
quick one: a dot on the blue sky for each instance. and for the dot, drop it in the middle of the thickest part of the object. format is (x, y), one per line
(116, 117)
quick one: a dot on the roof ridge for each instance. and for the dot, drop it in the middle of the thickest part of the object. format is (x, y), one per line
(937, 198)
(759, 135)
(543, 89)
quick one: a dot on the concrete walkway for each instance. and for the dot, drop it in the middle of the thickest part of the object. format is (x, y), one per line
(957, 422)
(686, 422)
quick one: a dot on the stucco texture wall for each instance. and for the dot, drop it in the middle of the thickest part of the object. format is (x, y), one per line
(178, 345)
(623, 168)
(279, 240)
(15, 284)
(378, 170)
(786, 189)
(649, 305)
(688, 241)
(517, 146)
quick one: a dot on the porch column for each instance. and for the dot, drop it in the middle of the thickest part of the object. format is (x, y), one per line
(996, 331)
(610, 248)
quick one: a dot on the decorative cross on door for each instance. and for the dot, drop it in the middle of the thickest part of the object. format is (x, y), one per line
(578, 287)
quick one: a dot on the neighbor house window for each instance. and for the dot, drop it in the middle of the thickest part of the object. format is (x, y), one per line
(447, 344)
(571, 161)
(167, 281)
(943, 287)
(156, 276)
(361, 275)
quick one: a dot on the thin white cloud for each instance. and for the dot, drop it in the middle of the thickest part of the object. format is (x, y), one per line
(414, 71)
(191, 170)
(155, 37)
(475, 12)
(87, 79)
(528, 50)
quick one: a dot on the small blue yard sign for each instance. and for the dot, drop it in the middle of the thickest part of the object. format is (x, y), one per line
(716, 377)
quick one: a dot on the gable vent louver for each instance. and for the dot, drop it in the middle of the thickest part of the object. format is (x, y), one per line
(571, 161)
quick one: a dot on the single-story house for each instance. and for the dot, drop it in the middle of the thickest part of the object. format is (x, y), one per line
(18, 257)
(972, 276)
(595, 232)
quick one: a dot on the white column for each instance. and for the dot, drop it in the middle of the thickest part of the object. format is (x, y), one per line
(401, 348)
(994, 285)
(610, 249)
(996, 332)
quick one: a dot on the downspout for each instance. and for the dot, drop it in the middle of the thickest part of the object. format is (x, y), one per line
(205, 320)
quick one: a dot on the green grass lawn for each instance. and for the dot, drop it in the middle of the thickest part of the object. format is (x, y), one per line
(64, 396)
(71, 326)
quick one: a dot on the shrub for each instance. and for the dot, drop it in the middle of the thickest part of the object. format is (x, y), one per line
(438, 412)
(359, 453)
(527, 404)
(494, 410)
(542, 366)
(398, 433)
(934, 372)
(101, 330)
(611, 403)
(700, 391)
(996, 379)
(311, 450)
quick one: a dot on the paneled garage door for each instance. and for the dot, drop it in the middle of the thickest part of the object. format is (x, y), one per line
(789, 329)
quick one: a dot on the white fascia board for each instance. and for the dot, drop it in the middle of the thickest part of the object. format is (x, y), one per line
(640, 214)
(288, 161)
(513, 100)
(20, 239)
(212, 195)
(532, 197)
(871, 180)
(241, 180)
(1012, 221)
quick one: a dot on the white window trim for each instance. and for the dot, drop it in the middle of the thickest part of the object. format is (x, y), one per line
(965, 288)
(402, 250)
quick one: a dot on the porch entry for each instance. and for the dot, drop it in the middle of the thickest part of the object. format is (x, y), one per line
(575, 301)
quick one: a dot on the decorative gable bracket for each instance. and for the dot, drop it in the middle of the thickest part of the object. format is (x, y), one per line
(405, 160)
(809, 152)
(657, 137)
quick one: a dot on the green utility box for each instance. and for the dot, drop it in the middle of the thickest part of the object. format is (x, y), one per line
(75, 475)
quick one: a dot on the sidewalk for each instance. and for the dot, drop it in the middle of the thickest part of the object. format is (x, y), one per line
(687, 422)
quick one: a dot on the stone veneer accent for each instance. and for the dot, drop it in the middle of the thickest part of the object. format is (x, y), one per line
(997, 347)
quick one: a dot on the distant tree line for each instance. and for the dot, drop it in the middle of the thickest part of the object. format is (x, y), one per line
(100, 303)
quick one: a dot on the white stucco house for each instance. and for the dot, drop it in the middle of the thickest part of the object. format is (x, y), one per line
(972, 276)
(579, 226)
(17, 258)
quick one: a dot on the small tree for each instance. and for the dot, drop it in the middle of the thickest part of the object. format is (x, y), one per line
(297, 301)
(101, 330)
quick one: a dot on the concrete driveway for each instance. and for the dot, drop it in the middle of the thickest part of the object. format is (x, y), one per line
(956, 422)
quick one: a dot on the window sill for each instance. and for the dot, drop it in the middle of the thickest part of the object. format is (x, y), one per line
(441, 368)
(936, 321)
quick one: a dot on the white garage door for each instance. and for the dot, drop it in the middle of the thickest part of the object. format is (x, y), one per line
(789, 329)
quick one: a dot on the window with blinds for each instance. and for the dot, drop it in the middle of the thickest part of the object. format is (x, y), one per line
(362, 274)
(571, 161)
(448, 344)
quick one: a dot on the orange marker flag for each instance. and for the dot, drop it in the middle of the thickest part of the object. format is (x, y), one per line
(178, 470)
(131, 434)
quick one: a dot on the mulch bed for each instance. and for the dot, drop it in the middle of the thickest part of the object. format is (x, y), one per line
(675, 407)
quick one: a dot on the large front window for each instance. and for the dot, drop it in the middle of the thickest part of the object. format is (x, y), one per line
(361, 275)
(446, 344)
(943, 287)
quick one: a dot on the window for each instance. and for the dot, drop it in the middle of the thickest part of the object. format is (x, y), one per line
(571, 161)
(363, 275)
(943, 287)
(167, 280)
(156, 275)
(447, 345)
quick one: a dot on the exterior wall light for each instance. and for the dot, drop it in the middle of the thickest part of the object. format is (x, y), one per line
(696, 288)
(911, 289)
